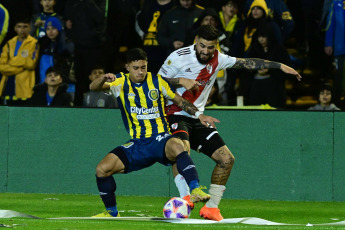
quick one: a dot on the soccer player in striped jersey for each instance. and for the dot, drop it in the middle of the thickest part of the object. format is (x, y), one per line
(193, 71)
(141, 96)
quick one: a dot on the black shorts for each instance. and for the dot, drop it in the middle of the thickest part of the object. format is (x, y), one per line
(201, 138)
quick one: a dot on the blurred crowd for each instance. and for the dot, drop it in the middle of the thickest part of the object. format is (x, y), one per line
(52, 49)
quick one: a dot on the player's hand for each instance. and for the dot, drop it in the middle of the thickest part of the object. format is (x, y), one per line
(109, 77)
(189, 84)
(177, 44)
(208, 121)
(289, 70)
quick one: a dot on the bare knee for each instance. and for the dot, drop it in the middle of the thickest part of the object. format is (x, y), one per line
(101, 170)
(223, 157)
(110, 165)
(173, 148)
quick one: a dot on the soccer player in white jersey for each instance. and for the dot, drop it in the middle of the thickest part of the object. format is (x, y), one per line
(193, 70)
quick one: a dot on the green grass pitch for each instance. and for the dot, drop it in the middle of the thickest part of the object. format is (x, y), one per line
(62, 205)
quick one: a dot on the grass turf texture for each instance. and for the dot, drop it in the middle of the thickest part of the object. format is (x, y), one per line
(62, 205)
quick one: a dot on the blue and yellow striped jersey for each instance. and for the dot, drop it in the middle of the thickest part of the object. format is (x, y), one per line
(142, 104)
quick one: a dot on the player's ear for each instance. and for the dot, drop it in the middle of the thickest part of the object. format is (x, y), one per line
(127, 67)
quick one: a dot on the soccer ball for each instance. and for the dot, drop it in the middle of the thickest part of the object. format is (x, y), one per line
(176, 208)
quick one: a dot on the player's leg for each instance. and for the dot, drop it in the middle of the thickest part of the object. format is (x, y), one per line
(209, 142)
(175, 151)
(179, 126)
(221, 172)
(111, 164)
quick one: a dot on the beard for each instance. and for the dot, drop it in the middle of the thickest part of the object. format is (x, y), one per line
(201, 61)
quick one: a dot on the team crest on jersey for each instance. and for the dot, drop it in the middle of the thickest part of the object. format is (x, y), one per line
(153, 94)
(169, 62)
(128, 145)
(25, 53)
(209, 68)
(174, 126)
(131, 95)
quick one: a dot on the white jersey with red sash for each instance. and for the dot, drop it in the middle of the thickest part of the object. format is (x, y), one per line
(184, 63)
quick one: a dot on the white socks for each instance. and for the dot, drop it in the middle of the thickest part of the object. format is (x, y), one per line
(182, 185)
(216, 191)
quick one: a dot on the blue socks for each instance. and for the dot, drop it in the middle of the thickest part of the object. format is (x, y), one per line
(106, 187)
(186, 168)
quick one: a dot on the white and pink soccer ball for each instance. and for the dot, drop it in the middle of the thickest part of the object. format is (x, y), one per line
(176, 208)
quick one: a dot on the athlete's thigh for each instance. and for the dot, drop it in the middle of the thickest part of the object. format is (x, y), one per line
(109, 165)
(138, 154)
(204, 139)
(180, 127)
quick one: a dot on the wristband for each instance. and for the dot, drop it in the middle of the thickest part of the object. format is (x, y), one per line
(197, 114)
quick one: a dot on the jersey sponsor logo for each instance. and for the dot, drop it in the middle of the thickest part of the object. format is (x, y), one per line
(146, 113)
(188, 70)
(174, 126)
(153, 94)
(143, 110)
(204, 83)
(183, 52)
(161, 137)
(148, 116)
(128, 145)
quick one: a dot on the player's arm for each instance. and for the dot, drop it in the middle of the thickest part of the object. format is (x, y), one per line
(188, 84)
(101, 83)
(257, 64)
(190, 108)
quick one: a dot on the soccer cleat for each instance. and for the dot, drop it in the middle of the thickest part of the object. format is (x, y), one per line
(198, 195)
(107, 213)
(210, 213)
(190, 203)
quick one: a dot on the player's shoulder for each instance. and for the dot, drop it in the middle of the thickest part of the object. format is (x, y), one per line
(120, 75)
(181, 55)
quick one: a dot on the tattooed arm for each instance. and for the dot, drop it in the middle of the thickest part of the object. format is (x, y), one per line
(190, 108)
(258, 64)
(188, 84)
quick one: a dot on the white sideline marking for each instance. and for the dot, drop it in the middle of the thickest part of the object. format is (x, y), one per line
(10, 213)
(242, 220)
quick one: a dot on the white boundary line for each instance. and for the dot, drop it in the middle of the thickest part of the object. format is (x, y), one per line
(242, 220)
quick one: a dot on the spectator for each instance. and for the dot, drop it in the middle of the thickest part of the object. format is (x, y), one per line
(325, 100)
(256, 16)
(147, 21)
(98, 98)
(267, 86)
(279, 12)
(54, 51)
(52, 92)
(39, 20)
(87, 22)
(17, 65)
(230, 20)
(4, 21)
(173, 28)
(335, 45)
